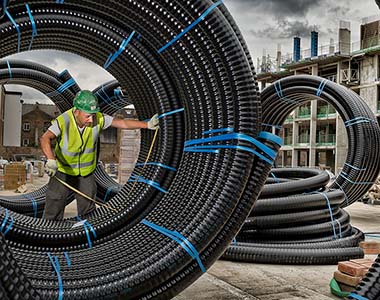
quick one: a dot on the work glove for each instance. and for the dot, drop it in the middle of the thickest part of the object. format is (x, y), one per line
(153, 122)
(51, 167)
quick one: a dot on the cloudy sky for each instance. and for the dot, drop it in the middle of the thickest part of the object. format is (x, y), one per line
(264, 24)
(267, 23)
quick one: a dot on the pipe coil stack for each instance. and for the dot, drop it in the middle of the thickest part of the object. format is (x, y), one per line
(297, 221)
(168, 56)
(363, 132)
(305, 243)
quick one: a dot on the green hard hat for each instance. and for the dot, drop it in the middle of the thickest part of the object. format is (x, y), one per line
(86, 102)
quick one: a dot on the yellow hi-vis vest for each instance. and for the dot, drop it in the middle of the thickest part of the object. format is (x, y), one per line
(76, 152)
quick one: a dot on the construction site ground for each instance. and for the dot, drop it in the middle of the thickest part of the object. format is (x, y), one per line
(227, 280)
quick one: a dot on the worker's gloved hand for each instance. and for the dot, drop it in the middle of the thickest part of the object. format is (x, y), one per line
(153, 123)
(51, 167)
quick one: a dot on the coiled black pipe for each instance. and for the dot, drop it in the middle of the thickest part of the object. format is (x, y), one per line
(362, 164)
(308, 227)
(210, 194)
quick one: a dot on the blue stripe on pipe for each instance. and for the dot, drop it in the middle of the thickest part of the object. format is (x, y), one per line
(188, 28)
(9, 70)
(112, 57)
(156, 164)
(34, 27)
(180, 239)
(57, 269)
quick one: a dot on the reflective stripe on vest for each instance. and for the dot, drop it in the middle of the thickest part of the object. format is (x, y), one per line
(76, 152)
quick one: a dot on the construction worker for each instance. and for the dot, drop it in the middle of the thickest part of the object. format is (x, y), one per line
(75, 158)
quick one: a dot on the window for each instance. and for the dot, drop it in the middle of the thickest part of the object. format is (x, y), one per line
(25, 142)
(26, 126)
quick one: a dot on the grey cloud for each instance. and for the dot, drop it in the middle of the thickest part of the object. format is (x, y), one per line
(285, 29)
(281, 8)
(87, 74)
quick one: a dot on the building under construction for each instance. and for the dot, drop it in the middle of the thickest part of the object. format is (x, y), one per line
(314, 134)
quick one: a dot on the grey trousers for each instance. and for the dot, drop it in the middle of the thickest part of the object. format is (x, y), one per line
(57, 193)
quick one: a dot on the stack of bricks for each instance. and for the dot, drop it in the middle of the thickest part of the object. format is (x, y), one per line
(351, 272)
(129, 151)
(14, 176)
(370, 247)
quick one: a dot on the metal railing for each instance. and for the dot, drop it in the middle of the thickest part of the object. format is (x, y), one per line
(270, 64)
(304, 112)
(326, 139)
(288, 140)
(325, 111)
(303, 139)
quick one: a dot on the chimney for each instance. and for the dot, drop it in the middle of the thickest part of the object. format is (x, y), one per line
(344, 37)
(314, 43)
(331, 47)
(296, 48)
(278, 58)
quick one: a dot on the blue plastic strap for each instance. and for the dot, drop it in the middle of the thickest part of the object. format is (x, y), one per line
(355, 168)
(9, 70)
(188, 28)
(340, 228)
(213, 149)
(85, 225)
(9, 226)
(271, 125)
(68, 260)
(180, 239)
(321, 87)
(106, 99)
(358, 297)
(170, 113)
(5, 220)
(329, 207)
(200, 150)
(156, 164)
(275, 177)
(117, 93)
(277, 86)
(271, 137)
(358, 120)
(57, 268)
(69, 83)
(353, 182)
(112, 57)
(34, 204)
(17, 28)
(34, 28)
(234, 242)
(109, 189)
(218, 130)
(60, 1)
(340, 187)
(156, 185)
(232, 136)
